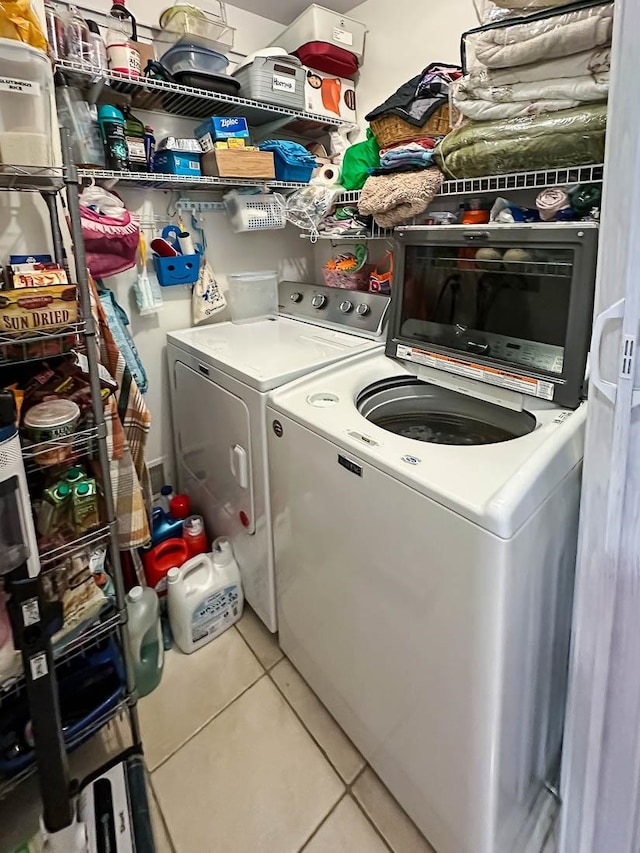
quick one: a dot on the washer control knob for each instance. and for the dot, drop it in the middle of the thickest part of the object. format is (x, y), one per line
(319, 300)
(346, 306)
(363, 309)
(296, 297)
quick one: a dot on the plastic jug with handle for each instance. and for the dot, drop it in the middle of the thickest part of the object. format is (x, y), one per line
(204, 597)
(145, 638)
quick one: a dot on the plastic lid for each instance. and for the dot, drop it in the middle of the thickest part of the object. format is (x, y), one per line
(62, 490)
(166, 490)
(173, 575)
(10, 47)
(260, 275)
(135, 593)
(52, 413)
(83, 488)
(107, 111)
(93, 27)
(222, 551)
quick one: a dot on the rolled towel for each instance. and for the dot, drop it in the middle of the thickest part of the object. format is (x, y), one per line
(550, 202)
(394, 198)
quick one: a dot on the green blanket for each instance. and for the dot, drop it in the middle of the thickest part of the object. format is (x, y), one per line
(552, 141)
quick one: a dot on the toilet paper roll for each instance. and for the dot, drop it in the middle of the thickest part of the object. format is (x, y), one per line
(329, 175)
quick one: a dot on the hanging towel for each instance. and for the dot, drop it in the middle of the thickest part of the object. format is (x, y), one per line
(394, 198)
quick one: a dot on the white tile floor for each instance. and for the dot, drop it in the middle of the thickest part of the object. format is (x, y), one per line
(243, 758)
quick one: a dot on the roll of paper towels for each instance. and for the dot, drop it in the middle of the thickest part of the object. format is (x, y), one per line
(328, 174)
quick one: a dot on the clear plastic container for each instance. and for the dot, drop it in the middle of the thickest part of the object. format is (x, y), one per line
(183, 22)
(190, 57)
(25, 105)
(253, 295)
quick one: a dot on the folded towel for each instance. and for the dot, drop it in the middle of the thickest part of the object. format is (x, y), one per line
(550, 202)
(392, 199)
(400, 158)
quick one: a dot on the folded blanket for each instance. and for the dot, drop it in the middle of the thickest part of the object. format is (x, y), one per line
(595, 63)
(550, 202)
(551, 141)
(392, 199)
(491, 111)
(559, 35)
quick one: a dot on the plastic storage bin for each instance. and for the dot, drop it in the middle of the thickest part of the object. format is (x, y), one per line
(183, 22)
(259, 212)
(182, 269)
(292, 161)
(273, 80)
(253, 295)
(190, 57)
(25, 105)
(319, 24)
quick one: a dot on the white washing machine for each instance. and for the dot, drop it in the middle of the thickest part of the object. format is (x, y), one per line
(220, 375)
(425, 512)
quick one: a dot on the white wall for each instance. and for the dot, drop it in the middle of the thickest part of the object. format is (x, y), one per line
(403, 37)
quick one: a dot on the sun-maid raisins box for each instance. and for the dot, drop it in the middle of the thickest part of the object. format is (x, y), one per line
(38, 309)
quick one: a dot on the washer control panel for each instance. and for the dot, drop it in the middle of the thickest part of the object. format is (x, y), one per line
(352, 310)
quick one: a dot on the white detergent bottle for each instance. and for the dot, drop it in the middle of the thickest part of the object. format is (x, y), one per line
(204, 597)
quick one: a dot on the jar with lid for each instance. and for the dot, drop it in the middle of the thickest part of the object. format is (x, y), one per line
(78, 37)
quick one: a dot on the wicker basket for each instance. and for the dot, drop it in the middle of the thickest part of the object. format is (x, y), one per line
(391, 129)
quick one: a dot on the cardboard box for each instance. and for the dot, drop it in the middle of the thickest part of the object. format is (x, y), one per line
(42, 309)
(238, 163)
(177, 163)
(329, 95)
(218, 128)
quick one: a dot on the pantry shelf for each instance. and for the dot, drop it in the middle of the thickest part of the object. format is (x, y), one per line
(516, 181)
(31, 178)
(159, 96)
(37, 345)
(77, 446)
(104, 626)
(148, 180)
(49, 559)
(10, 784)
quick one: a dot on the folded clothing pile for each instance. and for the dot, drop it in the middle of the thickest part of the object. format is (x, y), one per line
(554, 62)
(407, 156)
(345, 221)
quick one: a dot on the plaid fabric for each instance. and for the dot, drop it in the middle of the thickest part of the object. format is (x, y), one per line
(128, 422)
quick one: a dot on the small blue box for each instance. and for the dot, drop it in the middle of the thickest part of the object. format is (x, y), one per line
(177, 163)
(218, 128)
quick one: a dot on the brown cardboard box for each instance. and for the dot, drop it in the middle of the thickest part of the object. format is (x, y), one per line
(238, 163)
(43, 309)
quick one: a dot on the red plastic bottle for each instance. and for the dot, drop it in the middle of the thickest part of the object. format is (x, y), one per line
(180, 506)
(194, 535)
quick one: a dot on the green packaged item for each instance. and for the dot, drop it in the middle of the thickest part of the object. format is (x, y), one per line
(84, 502)
(74, 475)
(358, 161)
(53, 507)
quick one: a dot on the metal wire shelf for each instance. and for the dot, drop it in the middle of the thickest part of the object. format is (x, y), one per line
(149, 180)
(50, 558)
(77, 446)
(157, 95)
(10, 784)
(516, 181)
(104, 626)
(31, 178)
(38, 344)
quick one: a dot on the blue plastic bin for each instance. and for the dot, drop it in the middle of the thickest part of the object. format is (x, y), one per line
(183, 269)
(292, 161)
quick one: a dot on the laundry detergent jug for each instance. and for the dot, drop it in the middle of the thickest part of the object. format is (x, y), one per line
(204, 597)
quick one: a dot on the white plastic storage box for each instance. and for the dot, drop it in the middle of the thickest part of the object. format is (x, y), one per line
(329, 95)
(255, 212)
(273, 80)
(319, 24)
(253, 296)
(26, 84)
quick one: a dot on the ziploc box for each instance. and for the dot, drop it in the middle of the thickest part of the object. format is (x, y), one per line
(218, 128)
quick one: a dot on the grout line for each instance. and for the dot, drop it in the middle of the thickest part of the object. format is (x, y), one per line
(162, 817)
(322, 822)
(205, 724)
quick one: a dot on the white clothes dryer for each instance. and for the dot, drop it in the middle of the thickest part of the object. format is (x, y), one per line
(220, 376)
(425, 512)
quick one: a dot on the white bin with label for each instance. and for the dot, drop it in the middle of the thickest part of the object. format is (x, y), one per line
(319, 24)
(253, 296)
(26, 84)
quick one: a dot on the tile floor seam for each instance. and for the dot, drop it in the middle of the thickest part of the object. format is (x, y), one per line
(248, 645)
(167, 831)
(350, 793)
(310, 733)
(205, 724)
(322, 822)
